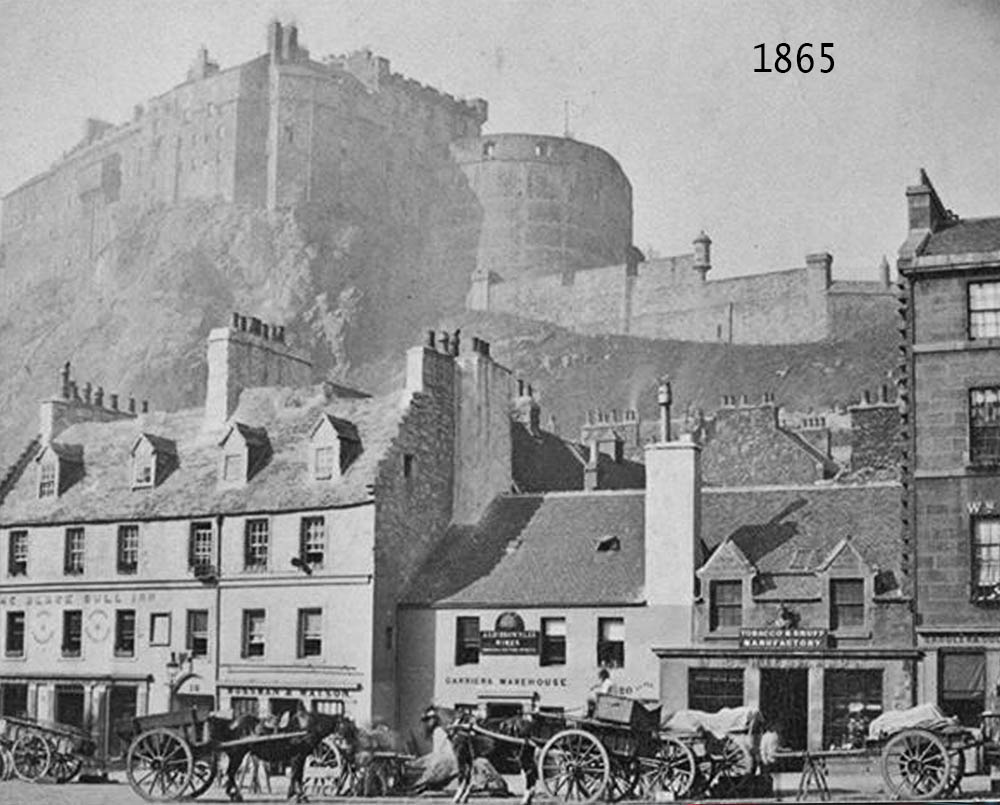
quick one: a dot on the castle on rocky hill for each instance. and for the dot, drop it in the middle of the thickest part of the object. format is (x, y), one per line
(539, 226)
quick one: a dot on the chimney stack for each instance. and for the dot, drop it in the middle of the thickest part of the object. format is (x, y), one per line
(664, 398)
(702, 253)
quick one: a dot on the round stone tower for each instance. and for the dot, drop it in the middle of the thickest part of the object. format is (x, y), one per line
(548, 204)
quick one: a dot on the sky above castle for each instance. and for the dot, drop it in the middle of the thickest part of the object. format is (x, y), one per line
(772, 166)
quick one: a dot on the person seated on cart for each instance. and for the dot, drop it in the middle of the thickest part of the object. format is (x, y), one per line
(601, 688)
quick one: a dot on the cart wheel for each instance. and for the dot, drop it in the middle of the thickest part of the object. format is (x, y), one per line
(574, 766)
(326, 767)
(64, 767)
(6, 764)
(673, 769)
(732, 768)
(159, 765)
(32, 756)
(624, 779)
(202, 775)
(915, 765)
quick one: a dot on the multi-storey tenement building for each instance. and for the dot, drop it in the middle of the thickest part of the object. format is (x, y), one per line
(246, 555)
(950, 269)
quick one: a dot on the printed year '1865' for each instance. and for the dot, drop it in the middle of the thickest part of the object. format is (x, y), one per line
(803, 59)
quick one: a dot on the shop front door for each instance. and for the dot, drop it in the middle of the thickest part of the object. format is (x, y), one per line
(784, 701)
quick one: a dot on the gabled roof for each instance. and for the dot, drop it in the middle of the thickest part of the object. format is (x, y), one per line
(731, 551)
(846, 545)
(964, 236)
(158, 443)
(288, 415)
(344, 429)
(535, 550)
(66, 452)
(253, 437)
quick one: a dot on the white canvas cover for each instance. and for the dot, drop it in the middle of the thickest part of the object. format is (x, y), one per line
(923, 716)
(726, 721)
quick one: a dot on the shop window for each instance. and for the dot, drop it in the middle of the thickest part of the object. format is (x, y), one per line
(74, 552)
(488, 148)
(201, 551)
(256, 537)
(234, 467)
(122, 708)
(159, 629)
(851, 699)
(17, 553)
(14, 699)
(847, 604)
(125, 633)
(72, 637)
(253, 633)
(984, 425)
(310, 637)
(553, 648)
(986, 558)
(466, 641)
(330, 707)
(984, 309)
(962, 685)
(244, 706)
(69, 705)
(711, 689)
(14, 635)
(725, 605)
(128, 549)
(196, 642)
(312, 541)
(611, 642)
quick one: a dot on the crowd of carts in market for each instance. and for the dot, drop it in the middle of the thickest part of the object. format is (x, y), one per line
(622, 750)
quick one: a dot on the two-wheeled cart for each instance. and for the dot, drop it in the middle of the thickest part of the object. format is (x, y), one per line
(39, 750)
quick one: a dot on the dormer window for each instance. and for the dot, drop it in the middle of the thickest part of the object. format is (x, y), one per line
(334, 444)
(153, 457)
(244, 451)
(59, 467)
(47, 474)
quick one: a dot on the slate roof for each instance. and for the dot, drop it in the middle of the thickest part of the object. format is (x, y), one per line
(540, 549)
(283, 483)
(533, 550)
(965, 237)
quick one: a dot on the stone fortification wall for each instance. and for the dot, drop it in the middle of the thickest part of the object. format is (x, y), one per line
(671, 298)
(548, 204)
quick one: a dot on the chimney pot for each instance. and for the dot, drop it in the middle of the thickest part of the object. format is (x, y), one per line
(236, 321)
(475, 344)
(88, 390)
(145, 406)
(243, 323)
(255, 325)
(866, 397)
(265, 331)
(456, 340)
(64, 378)
(884, 393)
(131, 405)
(431, 338)
(445, 341)
(114, 401)
(73, 390)
(744, 399)
(531, 391)
(486, 349)
(99, 397)
(520, 388)
(664, 397)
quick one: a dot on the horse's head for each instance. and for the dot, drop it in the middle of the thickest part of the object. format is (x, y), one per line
(245, 725)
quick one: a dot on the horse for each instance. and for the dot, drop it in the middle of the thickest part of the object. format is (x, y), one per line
(293, 750)
(464, 731)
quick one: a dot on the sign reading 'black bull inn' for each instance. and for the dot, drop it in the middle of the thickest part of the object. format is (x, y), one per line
(783, 639)
(509, 637)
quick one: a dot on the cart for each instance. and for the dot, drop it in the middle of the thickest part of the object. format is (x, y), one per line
(175, 755)
(38, 749)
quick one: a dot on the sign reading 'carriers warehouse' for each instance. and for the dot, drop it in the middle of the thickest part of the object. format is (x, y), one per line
(779, 639)
(509, 637)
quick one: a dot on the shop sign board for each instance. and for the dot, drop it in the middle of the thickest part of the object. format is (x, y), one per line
(501, 642)
(782, 639)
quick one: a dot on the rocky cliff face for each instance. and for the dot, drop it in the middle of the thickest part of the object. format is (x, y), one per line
(135, 320)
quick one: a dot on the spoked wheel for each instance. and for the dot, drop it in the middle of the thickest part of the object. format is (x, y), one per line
(672, 769)
(326, 768)
(916, 765)
(203, 773)
(624, 779)
(732, 768)
(159, 765)
(31, 756)
(64, 767)
(574, 766)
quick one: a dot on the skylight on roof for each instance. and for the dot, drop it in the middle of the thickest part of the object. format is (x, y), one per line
(609, 543)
